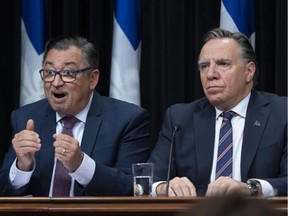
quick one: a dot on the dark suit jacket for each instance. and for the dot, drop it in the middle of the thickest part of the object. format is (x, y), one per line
(116, 135)
(264, 151)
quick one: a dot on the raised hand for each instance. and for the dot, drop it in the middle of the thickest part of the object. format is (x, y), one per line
(25, 144)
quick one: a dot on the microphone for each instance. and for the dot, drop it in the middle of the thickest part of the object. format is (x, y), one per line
(176, 128)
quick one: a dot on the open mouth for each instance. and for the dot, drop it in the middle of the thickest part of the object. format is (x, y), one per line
(59, 95)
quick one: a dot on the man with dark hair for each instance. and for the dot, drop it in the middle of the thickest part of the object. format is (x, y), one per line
(74, 142)
(234, 140)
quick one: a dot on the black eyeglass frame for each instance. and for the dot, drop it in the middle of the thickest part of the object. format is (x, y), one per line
(75, 72)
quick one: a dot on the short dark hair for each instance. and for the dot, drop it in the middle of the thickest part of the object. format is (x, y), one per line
(88, 50)
(246, 49)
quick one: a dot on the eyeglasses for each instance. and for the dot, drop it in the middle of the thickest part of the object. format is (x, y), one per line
(66, 76)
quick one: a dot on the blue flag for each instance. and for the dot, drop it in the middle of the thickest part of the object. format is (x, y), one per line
(238, 16)
(32, 48)
(126, 48)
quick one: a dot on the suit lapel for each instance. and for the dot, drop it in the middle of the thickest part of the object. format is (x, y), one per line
(204, 138)
(92, 125)
(255, 123)
(91, 130)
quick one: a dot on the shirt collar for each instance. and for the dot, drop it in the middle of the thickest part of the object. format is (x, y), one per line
(240, 108)
(82, 116)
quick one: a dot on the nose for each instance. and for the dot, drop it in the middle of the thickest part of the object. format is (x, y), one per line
(57, 80)
(212, 72)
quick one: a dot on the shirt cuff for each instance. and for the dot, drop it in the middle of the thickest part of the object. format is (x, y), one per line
(267, 189)
(19, 178)
(85, 172)
(154, 187)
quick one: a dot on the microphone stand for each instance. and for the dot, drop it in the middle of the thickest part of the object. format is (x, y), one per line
(176, 128)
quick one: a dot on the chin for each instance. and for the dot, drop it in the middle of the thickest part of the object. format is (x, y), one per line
(60, 109)
(214, 100)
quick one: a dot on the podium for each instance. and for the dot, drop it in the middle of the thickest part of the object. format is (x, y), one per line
(128, 206)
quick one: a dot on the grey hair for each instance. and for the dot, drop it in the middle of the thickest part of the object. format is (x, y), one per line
(88, 50)
(246, 50)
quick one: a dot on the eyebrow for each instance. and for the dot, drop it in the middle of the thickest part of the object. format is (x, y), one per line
(223, 60)
(65, 63)
(201, 62)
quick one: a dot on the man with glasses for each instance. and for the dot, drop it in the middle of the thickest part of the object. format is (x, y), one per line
(105, 138)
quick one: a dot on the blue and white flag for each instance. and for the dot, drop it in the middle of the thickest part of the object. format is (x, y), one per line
(125, 65)
(32, 48)
(238, 16)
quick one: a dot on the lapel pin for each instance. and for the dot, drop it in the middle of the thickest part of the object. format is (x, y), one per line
(257, 123)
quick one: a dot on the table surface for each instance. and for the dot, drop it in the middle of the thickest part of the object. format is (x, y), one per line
(108, 205)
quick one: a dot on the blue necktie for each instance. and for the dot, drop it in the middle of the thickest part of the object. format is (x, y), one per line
(225, 150)
(62, 180)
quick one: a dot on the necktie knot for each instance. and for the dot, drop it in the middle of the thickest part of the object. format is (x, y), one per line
(69, 122)
(228, 115)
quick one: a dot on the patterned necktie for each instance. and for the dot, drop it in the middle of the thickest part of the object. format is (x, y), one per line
(62, 180)
(225, 150)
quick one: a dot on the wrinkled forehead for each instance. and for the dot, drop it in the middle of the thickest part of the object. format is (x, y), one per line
(224, 48)
(71, 56)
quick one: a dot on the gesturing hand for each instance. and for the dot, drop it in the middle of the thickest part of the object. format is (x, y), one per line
(25, 144)
(68, 151)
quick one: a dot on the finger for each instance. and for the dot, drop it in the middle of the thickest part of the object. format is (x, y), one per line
(219, 187)
(24, 140)
(208, 192)
(63, 144)
(67, 142)
(63, 137)
(30, 125)
(191, 191)
(176, 190)
(171, 192)
(61, 151)
(212, 189)
(179, 187)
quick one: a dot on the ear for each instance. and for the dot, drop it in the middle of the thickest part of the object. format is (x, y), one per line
(250, 71)
(94, 77)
